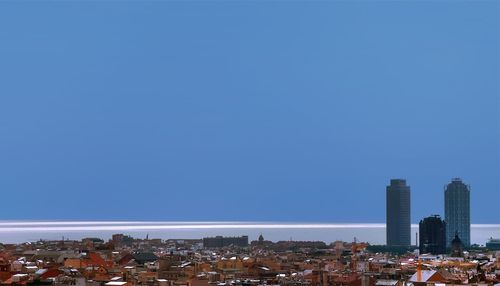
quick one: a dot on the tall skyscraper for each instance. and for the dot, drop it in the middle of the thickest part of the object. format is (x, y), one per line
(398, 224)
(457, 211)
(432, 238)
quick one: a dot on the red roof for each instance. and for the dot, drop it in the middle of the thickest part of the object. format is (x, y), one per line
(97, 260)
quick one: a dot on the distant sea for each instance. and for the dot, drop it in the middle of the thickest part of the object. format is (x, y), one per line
(374, 233)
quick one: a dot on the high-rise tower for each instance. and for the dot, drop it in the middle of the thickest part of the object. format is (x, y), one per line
(398, 224)
(457, 211)
(432, 235)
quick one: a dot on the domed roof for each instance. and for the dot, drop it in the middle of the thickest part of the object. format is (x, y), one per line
(456, 240)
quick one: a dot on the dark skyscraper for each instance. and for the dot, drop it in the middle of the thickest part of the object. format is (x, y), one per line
(432, 232)
(457, 211)
(398, 226)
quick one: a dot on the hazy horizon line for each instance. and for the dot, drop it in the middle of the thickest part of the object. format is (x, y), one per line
(36, 226)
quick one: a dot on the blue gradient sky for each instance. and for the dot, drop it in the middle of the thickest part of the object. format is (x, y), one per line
(246, 110)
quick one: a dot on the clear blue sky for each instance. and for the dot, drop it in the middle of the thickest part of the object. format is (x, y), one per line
(246, 110)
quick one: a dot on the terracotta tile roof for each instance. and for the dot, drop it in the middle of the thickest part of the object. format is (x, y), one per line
(96, 260)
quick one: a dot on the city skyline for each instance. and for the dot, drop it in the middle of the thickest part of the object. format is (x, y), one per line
(434, 232)
(249, 143)
(246, 110)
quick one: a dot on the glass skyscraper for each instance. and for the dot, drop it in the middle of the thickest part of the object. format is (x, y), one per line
(457, 211)
(398, 224)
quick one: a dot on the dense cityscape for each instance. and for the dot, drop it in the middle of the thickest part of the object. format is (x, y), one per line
(443, 256)
(250, 143)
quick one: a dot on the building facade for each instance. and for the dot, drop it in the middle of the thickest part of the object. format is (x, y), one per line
(493, 244)
(398, 224)
(457, 211)
(222, 241)
(432, 238)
